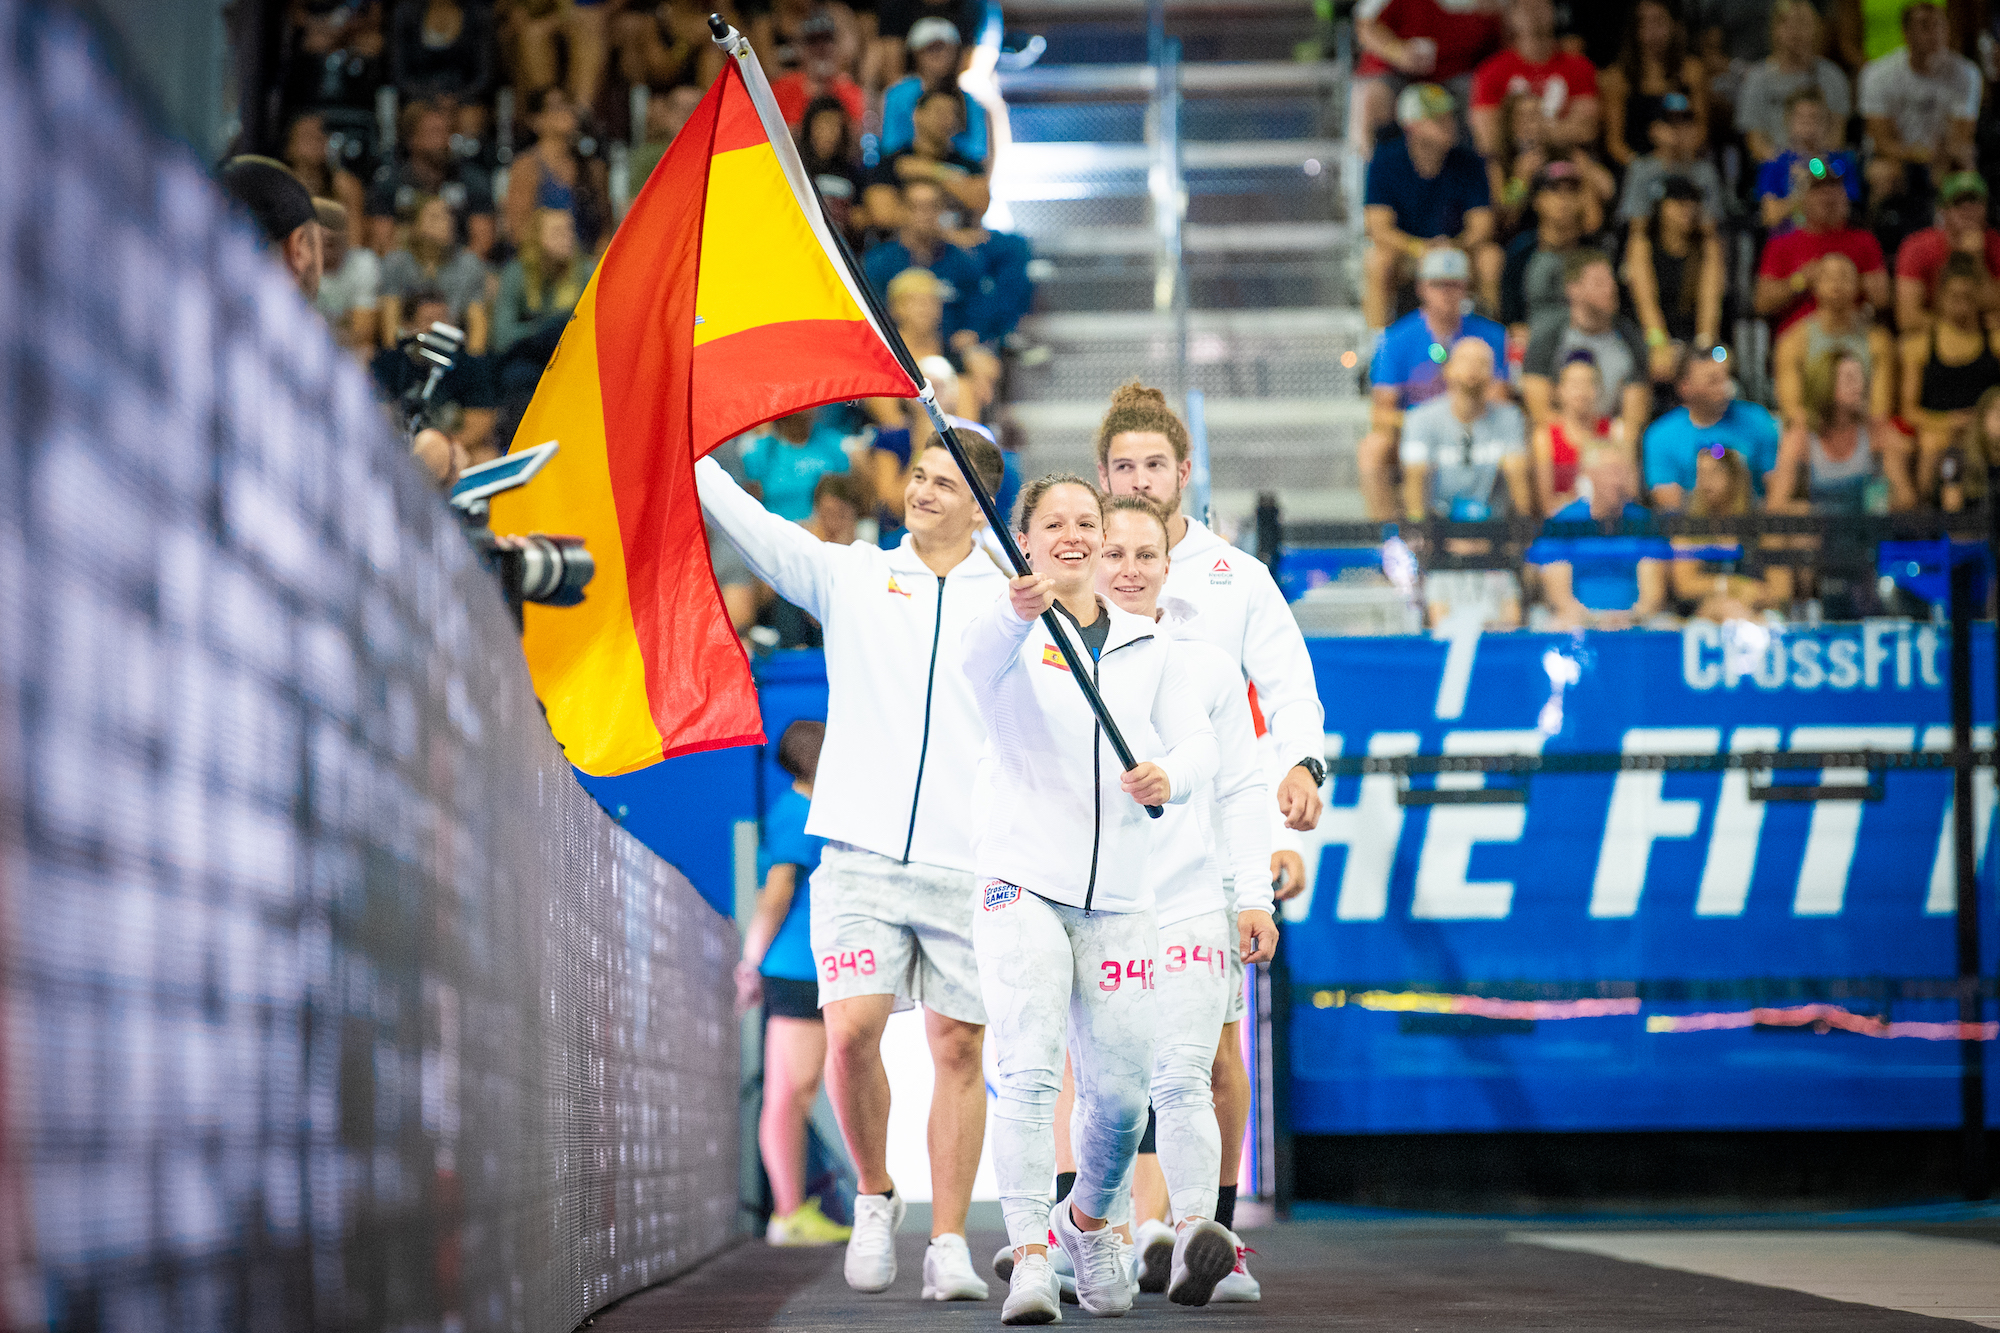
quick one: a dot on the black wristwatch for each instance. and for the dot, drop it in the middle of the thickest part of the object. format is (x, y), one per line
(1314, 767)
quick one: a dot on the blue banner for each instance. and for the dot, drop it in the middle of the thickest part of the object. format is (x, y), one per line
(1638, 950)
(1623, 951)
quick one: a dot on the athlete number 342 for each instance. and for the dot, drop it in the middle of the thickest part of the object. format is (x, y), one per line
(1134, 969)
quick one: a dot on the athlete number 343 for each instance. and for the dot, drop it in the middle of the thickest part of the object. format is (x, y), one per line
(861, 961)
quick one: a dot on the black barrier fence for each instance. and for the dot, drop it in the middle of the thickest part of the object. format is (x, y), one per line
(331, 1000)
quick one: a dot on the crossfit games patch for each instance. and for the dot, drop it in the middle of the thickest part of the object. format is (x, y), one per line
(999, 894)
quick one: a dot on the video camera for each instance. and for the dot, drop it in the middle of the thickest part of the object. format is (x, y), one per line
(435, 350)
(547, 569)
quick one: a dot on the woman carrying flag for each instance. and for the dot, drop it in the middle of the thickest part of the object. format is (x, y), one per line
(1063, 928)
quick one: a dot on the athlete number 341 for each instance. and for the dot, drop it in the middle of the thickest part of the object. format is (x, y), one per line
(1179, 959)
(862, 962)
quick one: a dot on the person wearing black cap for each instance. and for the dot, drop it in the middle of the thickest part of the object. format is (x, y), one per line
(1531, 278)
(1677, 151)
(282, 208)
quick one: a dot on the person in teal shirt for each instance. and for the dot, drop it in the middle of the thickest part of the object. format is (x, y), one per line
(786, 462)
(779, 972)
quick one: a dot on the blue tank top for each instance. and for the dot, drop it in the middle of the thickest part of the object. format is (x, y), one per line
(787, 842)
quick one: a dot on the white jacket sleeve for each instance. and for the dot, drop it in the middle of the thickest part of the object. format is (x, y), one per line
(794, 562)
(1243, 798)
(1183, 726)
(993, 643)
(1275, 659)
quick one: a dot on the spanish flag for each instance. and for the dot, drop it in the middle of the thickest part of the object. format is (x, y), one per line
(723, 302)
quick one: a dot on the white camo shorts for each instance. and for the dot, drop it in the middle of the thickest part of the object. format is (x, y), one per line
(886, 927)
(1238, 1007)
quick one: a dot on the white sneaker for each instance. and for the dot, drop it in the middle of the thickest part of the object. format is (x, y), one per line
(1031, 1294)
(1065, 1272)
(1103, 1281)
(948, 1274)
(1003, 1262)
(1204, 1254)
(1239, 1285)
(871, 1251)
(1155, 1244)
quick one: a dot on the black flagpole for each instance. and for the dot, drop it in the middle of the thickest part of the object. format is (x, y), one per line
(726, 37)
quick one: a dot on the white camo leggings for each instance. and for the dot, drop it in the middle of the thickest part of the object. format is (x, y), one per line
(1193, 997)
(1046, 971)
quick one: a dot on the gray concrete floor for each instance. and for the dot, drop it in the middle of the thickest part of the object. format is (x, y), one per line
(1433, 1275)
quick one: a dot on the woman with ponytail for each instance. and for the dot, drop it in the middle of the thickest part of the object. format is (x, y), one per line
(1143, 448)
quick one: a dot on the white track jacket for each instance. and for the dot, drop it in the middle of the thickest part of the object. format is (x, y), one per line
(895, 776)
(1231, 818)
(1241, 611)
(1052, 817)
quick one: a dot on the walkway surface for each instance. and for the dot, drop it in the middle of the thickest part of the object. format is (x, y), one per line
(1432, 1275)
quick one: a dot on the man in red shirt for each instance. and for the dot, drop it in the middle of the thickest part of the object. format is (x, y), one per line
(819, 75)
(1785, 277)
(1961, 228)
(1410, 41)
(1565, 83)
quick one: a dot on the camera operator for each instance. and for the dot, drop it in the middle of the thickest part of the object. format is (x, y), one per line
(283, 210)
(467, 386)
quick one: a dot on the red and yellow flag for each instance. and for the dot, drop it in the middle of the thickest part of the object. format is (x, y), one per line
(721, 303)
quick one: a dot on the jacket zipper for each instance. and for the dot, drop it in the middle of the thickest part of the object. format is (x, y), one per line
(923, 750)
(1097, 773)
(1096, 791)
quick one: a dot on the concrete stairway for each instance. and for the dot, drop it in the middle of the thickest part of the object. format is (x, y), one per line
(1275, 336)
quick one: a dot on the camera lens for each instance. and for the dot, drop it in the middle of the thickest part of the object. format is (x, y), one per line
(554, 570)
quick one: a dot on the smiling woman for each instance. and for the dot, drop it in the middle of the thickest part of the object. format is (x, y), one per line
(1064, 932)
(1061, 524)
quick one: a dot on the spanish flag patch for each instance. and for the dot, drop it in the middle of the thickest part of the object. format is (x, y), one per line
(1052, 656)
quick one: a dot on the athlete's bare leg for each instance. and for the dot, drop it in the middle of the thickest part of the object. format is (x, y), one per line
(1231, 1083)
(794, 1055)
(1065, 1103)
(1149, 1190)
(858, 1085)
(958, 1118)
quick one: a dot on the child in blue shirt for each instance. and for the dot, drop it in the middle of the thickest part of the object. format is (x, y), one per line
(786, 462)
(778, 970)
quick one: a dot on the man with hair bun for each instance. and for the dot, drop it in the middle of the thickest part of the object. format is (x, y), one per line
(1142, 449)
(892, 896)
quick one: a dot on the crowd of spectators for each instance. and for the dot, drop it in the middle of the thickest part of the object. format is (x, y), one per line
(473, 157)
(1593, 249)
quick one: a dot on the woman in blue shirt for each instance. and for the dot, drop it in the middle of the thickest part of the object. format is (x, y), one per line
(778, 970)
